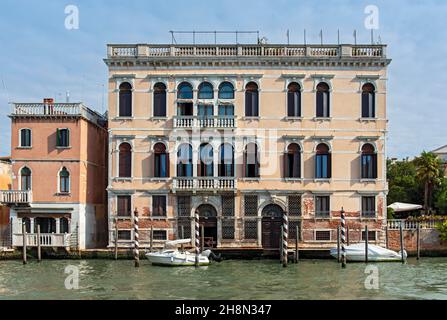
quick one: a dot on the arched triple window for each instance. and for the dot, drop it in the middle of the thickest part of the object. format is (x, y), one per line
(251, 161)
(206, 91)
(294, 100)
(292, 163)
(25, 179)
(323, 100)
(161, 161)
(368, 101)
(226, 90)
(159, 100)
(64, 181)
(251, 100)
(368, 162)
(184, 92)
(323, 162)
(184, 160)
(206, 161)
(125, 160)
(25, 138)
(125, 100)
(226, 160)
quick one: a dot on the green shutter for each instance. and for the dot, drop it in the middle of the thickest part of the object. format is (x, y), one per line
(58, 137)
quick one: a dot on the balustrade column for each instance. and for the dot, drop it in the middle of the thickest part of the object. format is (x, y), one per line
(32, 225)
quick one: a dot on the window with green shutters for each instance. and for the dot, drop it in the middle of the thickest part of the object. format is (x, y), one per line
(63, 138)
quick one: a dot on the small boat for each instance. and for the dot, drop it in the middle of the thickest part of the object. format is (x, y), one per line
(173, 257)
(356, 252)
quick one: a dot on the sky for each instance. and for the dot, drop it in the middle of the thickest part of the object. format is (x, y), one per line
(40, 57)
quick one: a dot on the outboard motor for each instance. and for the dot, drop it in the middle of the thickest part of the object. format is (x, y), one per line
(212, 256)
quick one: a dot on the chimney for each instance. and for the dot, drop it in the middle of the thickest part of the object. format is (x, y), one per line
(48, 101)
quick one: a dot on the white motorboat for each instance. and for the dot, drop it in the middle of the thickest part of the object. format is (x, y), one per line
(173, 257)
(356, 252)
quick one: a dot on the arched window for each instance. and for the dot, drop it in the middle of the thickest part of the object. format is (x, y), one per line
(125, 160)
(226, 90)
(369, 162)
(251, 160)
(322, 162)
(226, 163)
(159, 100)
(294, 100)
(125, 102)
(323, 100)
(184, 91)
(64, 181)
(368, 101)
(292, 165)
(206, 91)
(206, 163)
(64, 226)
(25, 138)
(161, 161)
(25, 179)
(184, 160)
(251, 100)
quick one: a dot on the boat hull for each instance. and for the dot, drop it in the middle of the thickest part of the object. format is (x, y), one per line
(176, 259)
(356, 253)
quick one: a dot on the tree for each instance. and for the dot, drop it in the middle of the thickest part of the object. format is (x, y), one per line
(402, 183)
(429, 173)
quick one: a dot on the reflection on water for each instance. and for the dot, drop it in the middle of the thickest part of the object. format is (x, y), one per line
(257, 279)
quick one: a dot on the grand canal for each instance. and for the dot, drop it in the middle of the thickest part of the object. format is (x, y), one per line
(231, 279)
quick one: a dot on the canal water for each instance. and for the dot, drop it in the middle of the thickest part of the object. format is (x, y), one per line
(231, 279)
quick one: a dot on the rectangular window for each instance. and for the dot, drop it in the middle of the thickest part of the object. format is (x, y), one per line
(124, 206)
(322, 207)
(184, 206)
(323, 235)
(159, 206)
(371, 236)
(293, 224)
(25, 138)
(184, 228)
(369, 166)
(294, 205)
(228, 229)
(251, 205)
(323, 166)
(369, 207)
(251, 229)
(124, 235)
(293, 104)
(160, 235)
(160, 104)
(63, 138)
(228, 206)
(185, 109)
(226, 110)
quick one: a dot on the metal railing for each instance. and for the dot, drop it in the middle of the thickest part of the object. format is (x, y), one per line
(16, 197)
(245, 50)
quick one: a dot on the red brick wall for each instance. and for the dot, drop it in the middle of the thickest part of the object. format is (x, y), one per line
(429, 240)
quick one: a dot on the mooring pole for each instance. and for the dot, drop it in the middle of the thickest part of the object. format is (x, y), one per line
(136, 240)
(202, 238)
(39, 252)
(347, 235)
(116, 238)
(281, 252)
(401, 242)
(297, 240)
(338, 244)
(343, 239)
(366, 243)
(24, 242)
(151, 239)
(285, 238)
(197, 235)
(386, 236)
(418, 241)
(182, 228)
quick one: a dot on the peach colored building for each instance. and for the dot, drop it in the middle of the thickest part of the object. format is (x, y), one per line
(246, 135)
(58, 153)
(5, 184)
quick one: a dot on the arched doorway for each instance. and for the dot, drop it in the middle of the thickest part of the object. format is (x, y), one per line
(272, 219)
(208, 218)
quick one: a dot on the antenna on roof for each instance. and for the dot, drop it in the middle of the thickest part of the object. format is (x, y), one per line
(67, 96)
(215, 33)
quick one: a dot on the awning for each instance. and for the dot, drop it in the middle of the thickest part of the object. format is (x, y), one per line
(400, 206)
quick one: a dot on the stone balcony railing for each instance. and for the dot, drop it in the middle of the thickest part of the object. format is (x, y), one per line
(16, 197)
(394, 224)
(240, 50)
(204, 183)
(46, 239)
(204, 122)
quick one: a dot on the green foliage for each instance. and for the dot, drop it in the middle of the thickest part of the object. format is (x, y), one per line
(442, 228)
(390, 213)
(402, 183)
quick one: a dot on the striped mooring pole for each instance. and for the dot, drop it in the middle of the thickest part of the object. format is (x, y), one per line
(285, 236)
(197, 238)
(343, 239)
(136, 239)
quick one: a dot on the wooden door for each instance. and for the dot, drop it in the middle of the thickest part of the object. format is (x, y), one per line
(271, 232)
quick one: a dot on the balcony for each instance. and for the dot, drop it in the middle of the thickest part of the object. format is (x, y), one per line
(246, 50)
(204, 184)
(216, 122)
(16, 197)
(46, 240)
